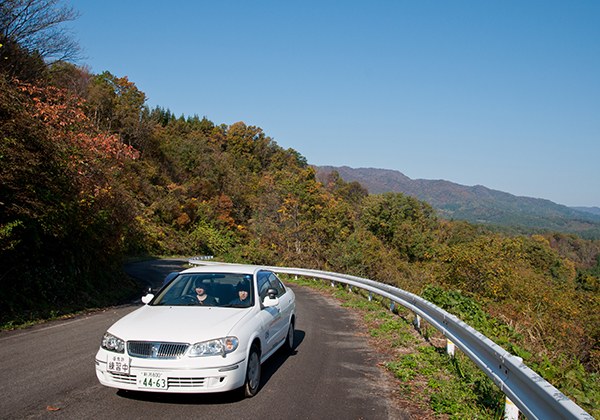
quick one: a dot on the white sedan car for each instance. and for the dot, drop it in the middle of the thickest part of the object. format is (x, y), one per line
(208, 330)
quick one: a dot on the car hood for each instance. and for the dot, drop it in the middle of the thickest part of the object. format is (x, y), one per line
(182, 324)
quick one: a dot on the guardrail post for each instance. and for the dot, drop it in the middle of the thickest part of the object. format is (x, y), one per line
(392, 306)
(296, 277)
(511, 411)
(332, 283)
(350, 288)
(370, 296)
(417, 322)
(449, 348)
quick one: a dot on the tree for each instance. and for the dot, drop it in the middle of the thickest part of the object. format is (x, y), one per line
(38, 26)
(116, 106)
(353, 191)
(62, 206)
(75, 79)
(18, 63)
(401, 221)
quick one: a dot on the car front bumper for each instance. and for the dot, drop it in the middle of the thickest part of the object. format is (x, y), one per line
(174, 376)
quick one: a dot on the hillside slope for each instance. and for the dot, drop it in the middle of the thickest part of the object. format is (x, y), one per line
(476, 204)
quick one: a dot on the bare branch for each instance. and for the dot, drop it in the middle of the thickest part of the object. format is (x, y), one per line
(38, 26)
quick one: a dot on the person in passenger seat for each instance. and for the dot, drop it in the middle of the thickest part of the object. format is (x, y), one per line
(243, 290)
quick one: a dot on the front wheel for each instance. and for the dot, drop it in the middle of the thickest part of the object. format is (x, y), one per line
(289, 340)
(252, 373)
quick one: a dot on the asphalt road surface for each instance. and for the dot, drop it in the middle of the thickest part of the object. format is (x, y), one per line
(47, 371)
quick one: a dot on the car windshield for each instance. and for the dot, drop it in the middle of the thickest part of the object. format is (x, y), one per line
(208, 289)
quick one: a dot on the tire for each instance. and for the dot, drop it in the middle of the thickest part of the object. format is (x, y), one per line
(288, 346)
(253, 371)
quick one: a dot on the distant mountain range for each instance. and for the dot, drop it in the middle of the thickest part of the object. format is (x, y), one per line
(478, 204)
(593, 210)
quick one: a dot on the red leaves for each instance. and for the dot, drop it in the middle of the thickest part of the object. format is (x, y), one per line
(109, 146)
(71, 159)
(62, 115)
(223, 210)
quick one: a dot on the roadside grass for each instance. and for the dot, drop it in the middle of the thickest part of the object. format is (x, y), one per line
(20, 323)
(427, 379)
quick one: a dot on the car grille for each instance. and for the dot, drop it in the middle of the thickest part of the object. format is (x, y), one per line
(151, 350)
(123, 378)
(186, 382)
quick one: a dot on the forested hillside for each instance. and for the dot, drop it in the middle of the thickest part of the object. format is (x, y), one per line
(496, 209)
(89, 175)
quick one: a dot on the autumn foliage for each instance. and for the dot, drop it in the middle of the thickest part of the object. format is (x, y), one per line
(59, 204)
(89, 174)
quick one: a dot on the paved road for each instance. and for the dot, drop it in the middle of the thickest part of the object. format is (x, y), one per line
(332, 374)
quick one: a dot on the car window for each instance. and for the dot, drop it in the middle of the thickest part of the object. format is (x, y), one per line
(222, 289)
(263, 284)
(175, 289)
(267, 280)
(276, 284)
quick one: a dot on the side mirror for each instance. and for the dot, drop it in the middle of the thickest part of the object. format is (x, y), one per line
(146, 299)
(270, 301)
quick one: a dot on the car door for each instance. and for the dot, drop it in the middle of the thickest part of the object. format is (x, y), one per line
(280, 325)
(271, 316)
(286, 300)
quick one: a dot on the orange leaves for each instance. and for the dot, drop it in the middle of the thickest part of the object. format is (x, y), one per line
(54, 106)
(289, 207)
(124, 83)
(62, 115)
(54, 140)
(182, 221)
(224, 207)
(110, 146)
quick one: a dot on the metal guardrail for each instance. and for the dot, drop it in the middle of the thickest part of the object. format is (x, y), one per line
(206, 257)
(533, 395)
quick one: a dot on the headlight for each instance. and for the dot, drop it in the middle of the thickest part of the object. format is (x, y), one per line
(220, 346)
(112, 343)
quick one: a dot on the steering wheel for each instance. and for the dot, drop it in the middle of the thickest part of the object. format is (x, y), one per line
(189, 298)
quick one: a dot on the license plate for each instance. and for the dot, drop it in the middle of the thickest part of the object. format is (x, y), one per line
(151, 380)
(117, 364)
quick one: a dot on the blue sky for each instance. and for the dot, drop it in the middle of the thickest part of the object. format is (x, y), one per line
(504, 94)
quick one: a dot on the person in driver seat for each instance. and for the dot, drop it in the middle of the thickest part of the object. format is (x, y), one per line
(203, 298)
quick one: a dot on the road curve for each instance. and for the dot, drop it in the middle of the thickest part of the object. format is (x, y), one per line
(47, 371)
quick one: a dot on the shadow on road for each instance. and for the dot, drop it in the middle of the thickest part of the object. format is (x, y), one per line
(268, 370)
